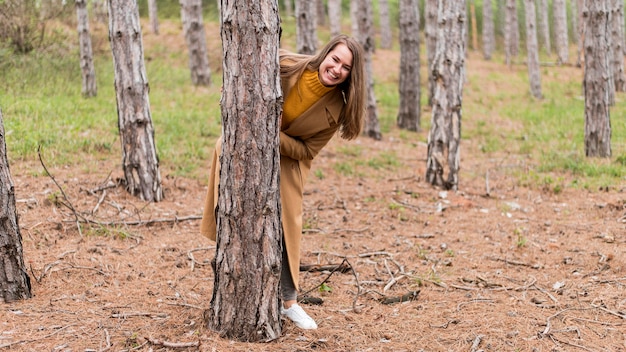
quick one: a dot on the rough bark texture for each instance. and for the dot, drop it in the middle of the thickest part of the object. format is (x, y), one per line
(245, 302)
(532, 49)
(154, 16)
(430, 30)
(366, 38)
(306, 27)
(511, 32)
(544, 26)
(139, 157)
(617, 44)
(88, 71)
(334, 17)
(195, 36)
(560, 31)
(409, 109)
(14, 281)
(385, 24)
(597, 78)
(448, 68)
(489, 36)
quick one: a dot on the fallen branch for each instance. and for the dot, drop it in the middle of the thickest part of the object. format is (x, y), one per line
(342, 268)
(410, 296)
(173, 344)
(513, 262)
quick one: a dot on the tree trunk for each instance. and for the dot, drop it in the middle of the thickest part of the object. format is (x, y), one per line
(430, 30)
(86, 53)
(511, 32)
(139, 157)
(195, 36)
(354, 17)
(448, 68)
(544, 26)
(14, 281)
(617, 44)
(474, 25)
(306, 32)
(560, 31)
(366, 38)
(334, 17)
(489, 36)
(385, 25)
(154, 16)
(288, 7)
(534, 75)
(245, 302)
(409, 109)
(321, 13)
(596, 86)
(580, 55)
(100, 10)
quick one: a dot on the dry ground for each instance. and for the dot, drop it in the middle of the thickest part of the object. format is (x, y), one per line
(498, 267)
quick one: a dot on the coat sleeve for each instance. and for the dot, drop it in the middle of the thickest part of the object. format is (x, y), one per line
(305, 149)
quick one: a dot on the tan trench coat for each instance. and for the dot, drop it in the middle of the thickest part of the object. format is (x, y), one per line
(300, 142)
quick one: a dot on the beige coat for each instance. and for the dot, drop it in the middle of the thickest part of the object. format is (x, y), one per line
(300, 142)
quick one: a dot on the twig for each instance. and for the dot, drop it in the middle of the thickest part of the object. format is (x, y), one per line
(342, 268)
(546, 293)
(373, 254)
(193, 260)
(513, 262)
(478, 300)
(138, 314)
(476, 342)
(100, 200)
(37, 339)
(173, 344)
(617, 314)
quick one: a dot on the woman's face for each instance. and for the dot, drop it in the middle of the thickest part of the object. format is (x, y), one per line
(336, 66)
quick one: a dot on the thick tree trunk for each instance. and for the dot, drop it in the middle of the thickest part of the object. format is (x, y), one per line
(444, 137)
(544, 26)
(534, 75)
(366, 38)
(334, 17)
(596, 84)
(139, 157)
(385, 24)
(617, 44)
(560, 31)
(195, 36)
(86, 53)
(430, 30)
(306, 31)
(245, 302)
(154, 16)
(409, 109)
(14, 281)
(489, 36)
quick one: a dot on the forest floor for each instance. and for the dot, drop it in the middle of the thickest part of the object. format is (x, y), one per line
(492, 267)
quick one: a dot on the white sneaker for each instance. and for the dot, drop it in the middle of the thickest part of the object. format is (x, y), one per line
(296, 314)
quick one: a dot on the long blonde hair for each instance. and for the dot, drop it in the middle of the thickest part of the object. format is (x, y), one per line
(353, 88)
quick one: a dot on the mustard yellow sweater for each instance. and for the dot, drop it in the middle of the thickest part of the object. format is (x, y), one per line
(307, 91)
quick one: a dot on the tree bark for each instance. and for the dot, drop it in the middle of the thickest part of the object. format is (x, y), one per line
(544, 26)
(88, 71)
(334, 17)
(14, 281)
(245, 303)
(409, 109)
(430, 30)
(139, 157)
(597, 77)
(306, 31)
(321, 13)
(448, 68)
(288, 4)
(560, 31)
(511, 32)
(617, 44)
(385, 25)
(532, 49)
(580, 55)
(474, 25)
(195, 36)
(366, 38)
(489, 36)
(154, 16)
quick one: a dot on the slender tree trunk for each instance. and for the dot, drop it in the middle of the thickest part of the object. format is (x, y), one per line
(154, 16)
(617, 44)
(321, 13)
(288, 7)
(306, 32)
(534, 76)
(431, 44)
(245, 302)
(580, 55)
(474, 24)
(354, 17)
(366, 38)
(409, 110)
(489, 37)
(544, 26)
(596, 86)
(14, 281)
(560, 31)
(86, 53)
(334, 17)
(195, 36)
(139, 157)
(511, 32)
(444, 137)
(385, 25)
(100, 10)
